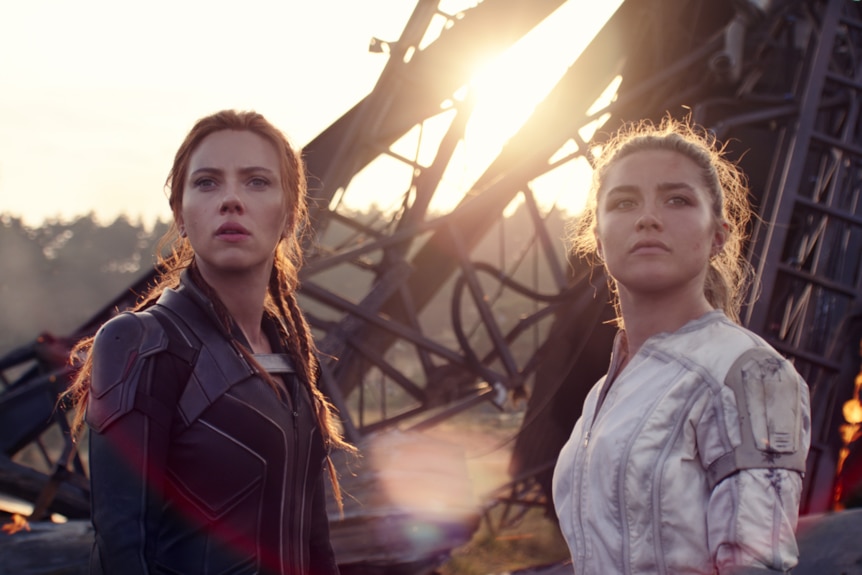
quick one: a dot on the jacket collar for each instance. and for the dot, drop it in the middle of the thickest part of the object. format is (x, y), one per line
(192, 291)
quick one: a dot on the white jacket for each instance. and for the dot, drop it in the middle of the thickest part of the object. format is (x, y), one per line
(632, 485)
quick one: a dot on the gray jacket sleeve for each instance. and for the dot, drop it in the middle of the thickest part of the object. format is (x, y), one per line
(754, 504)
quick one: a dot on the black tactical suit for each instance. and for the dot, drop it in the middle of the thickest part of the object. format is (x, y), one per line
(197, 466)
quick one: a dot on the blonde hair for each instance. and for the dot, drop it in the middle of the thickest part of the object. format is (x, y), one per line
(729, 273)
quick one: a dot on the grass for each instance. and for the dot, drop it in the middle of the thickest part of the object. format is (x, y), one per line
(534, 541)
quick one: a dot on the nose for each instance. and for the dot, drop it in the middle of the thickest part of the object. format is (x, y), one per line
(648, 220)
(231, 200)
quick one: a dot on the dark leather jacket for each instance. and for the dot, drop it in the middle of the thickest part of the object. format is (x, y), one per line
(197, 465)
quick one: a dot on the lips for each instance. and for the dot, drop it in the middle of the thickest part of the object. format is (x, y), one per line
(231, 229)
(650, 246)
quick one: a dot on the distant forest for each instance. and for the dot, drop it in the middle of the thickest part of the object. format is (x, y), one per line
(57, 276)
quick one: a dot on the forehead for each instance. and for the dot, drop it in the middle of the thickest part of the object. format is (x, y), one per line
(648, 168)
(227, 149)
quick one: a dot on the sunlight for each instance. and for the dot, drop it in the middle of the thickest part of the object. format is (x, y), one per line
(507, 90)
(384, 182)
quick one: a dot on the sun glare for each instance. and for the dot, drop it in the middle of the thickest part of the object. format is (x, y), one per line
(507, 89)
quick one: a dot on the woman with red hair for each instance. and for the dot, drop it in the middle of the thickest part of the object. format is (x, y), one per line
(208, 431)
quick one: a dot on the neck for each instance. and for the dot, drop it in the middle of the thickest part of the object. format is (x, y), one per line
(243, 295)
(647, 315)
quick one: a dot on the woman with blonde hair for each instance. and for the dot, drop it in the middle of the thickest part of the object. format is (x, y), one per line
(689, 454)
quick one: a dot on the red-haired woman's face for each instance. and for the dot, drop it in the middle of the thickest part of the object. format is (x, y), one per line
(233, 205)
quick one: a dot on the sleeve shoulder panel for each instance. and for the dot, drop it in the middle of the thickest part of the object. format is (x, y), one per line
(769, 396)
(119, 353)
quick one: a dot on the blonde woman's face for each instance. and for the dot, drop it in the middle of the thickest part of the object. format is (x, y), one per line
(655, 226)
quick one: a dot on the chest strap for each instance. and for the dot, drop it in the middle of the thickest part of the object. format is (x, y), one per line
(275, 363)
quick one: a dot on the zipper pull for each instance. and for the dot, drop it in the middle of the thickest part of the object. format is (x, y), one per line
(587, 438)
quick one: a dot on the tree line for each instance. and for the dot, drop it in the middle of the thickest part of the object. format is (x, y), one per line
(57, 276)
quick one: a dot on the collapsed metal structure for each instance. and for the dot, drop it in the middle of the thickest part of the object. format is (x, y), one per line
(779, 80)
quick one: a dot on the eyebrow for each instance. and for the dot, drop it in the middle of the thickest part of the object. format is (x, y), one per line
(668, 186)
(621, 189)
(663, 187)
(243, 171)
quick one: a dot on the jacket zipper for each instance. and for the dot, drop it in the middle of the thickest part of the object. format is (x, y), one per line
(614, 370)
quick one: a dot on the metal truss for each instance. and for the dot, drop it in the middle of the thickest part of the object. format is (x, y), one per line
(808, 247)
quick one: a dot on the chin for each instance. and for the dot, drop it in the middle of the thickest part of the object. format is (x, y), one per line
(232, 266)
(650, 285)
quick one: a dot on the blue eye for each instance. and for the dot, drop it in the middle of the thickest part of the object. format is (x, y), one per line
(205, 183)
(679, 201)
(623, 204)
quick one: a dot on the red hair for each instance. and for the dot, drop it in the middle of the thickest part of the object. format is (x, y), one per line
(280, 300)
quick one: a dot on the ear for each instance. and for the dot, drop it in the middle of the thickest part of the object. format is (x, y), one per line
(181, 225)
(599, 249)
(719, 239)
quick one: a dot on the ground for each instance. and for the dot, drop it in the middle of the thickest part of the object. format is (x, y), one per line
(535, 539)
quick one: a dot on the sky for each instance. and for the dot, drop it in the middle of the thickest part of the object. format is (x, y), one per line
(95, 95)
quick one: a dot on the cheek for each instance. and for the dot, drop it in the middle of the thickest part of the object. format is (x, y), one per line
(705, 230)
(187, 216)
(604, 234)
(700, 247)
(184, 206)
(191, 219)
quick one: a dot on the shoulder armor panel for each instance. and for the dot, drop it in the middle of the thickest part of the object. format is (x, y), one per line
(119, 351)
(767, 390)
(218, 366)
